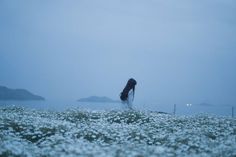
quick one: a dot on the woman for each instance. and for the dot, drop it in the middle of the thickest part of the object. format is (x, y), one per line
(128, 92)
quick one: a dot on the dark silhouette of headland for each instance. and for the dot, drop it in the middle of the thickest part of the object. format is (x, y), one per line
(17, 94)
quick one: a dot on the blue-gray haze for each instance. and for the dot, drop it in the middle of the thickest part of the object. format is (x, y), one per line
(178, 51)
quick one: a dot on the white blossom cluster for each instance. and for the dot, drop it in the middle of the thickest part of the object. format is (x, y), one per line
(27, 132)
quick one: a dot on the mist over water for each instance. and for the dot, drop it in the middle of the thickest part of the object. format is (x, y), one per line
(181, 53)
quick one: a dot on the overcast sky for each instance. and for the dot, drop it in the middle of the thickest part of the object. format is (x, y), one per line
(178, 51)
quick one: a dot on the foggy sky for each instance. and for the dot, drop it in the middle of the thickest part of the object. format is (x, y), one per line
(178, 51)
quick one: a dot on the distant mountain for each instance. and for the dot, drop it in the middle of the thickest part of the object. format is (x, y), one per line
(17, 94)
(98, 99)
(205, 104)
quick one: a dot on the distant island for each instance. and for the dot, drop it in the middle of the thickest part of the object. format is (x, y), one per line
(205, 104)
(98, 99)
(17, 94)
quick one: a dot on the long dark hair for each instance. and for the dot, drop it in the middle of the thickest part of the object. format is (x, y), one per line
(129, 86)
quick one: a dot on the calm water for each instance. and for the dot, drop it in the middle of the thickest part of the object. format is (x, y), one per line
(61, 105)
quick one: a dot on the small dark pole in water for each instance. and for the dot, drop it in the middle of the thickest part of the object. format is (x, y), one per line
(232, 111)
(174, 109)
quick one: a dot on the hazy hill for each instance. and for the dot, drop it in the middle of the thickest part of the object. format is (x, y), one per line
(205, 104)
(17, 94)
(97, 99)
